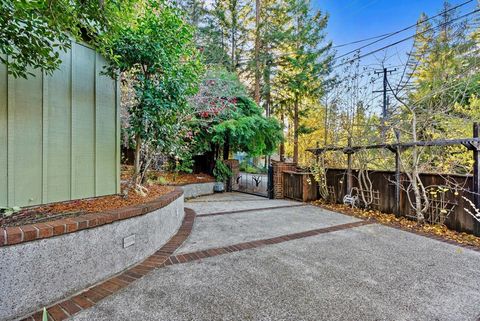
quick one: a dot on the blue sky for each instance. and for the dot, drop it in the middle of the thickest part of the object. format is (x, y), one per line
(352, 20)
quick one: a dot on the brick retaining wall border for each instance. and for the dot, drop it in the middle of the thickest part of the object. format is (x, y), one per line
(89, 297)
(32, 232)
(41, 268)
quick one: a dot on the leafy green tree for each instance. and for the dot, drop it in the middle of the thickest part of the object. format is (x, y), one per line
(444, 77)
(248, 131)
(423, 41)
(273, 33)
(227, 119)
(210, 34)
(196, 14)
(213, 44)
(32, 31)
(233, 18)
(441, 55)
(304, 70)
(158, 55)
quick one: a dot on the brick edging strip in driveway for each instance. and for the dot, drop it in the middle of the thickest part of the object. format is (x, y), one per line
(250, 210)
(198, 255)
(89, 297)
(164, 257)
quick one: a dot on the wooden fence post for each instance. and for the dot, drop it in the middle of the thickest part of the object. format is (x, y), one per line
(476, 166)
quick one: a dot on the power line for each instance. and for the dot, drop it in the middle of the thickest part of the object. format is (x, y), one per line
(404, 39)
(404, 29)
(384, 36)
(359, 41)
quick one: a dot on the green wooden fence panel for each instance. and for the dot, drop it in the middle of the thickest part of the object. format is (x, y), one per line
(83, 122)
(59, 133)
(3, 136)
(25, 112)
(105, 132)
(57, 150)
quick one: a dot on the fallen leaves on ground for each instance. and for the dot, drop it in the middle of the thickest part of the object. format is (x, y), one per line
(185, 178)
(402, 222)
(169, 178)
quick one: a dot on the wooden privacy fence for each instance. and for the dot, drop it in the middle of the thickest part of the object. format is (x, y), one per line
(472, 144)
(383, 182)
(299, 186)
(390, 190)
(59, 133)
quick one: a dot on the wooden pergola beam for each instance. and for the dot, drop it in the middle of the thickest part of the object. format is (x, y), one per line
(469, 143)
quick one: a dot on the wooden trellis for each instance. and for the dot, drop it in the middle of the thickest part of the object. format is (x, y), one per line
(472, 144)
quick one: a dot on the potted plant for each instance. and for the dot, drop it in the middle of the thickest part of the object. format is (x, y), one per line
(221, 173)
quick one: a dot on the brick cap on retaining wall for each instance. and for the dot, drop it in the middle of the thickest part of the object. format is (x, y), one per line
(90, 296)
(31, 232)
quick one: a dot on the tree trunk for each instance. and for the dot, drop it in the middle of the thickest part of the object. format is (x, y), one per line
(257, 51)
(282, 144)
(210, 159)
(325, 139)
(234, 66)
(416, 182)
(268, 99)
(138, 149)
(226, 148)
(295, 132)
(268, 95)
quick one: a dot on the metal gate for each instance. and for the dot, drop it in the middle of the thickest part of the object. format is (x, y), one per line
(258, 184)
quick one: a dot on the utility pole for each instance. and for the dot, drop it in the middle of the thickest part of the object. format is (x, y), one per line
(385, 73)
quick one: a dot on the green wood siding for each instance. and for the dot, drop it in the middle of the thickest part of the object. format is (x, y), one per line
(105, 135)
(3, 136)
(59, 132)
(83, 122)
(57, 151)
(26, 116)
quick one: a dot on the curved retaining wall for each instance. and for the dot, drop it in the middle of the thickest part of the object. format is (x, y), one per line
(37, 272)
(196, 190)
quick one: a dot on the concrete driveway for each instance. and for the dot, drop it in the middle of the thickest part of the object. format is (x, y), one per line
(341, 269)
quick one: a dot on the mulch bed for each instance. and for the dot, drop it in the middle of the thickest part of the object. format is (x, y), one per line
(184, 178)
(403, 223)
(168, 178)
(158, 184)
(53, 211)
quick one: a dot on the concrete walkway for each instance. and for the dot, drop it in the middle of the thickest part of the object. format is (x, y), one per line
(348, 272)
